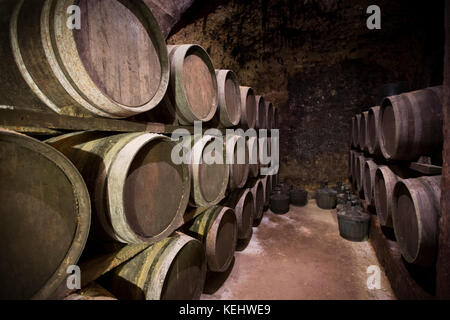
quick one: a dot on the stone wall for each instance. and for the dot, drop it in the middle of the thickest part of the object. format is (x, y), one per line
(319, 63)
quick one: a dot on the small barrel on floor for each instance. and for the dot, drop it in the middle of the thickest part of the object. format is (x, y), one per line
(171, 269)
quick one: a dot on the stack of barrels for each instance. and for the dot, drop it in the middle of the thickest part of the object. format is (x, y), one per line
(117, 65)
(386, 139)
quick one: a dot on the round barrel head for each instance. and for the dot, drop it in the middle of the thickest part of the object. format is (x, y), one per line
(44, 217)
(118, 52)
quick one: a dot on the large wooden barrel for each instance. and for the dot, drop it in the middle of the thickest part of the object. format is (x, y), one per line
(248, 108)
(415, 215)
(116, 65)
(229, 113)
(257, 189)
(238, 160)
(373, 131)
(171, 269)
(45, 217)
(193, 89)
(370, 168)
(252, 144)
(209, 181)
(385, 179)
(241, 201)
(269, 115)
(261, 113)
(363, 131)
(126, 175)
(411, 124)
(217, 230)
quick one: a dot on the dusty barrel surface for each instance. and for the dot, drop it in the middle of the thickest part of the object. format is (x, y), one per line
(248, 108)
(209, 180)
(261, 113)
(242, 202)
(217, 230)
(370, 168)
(363, 131)
(45, 217)
(411, 124)
(98, 69)
(415, 216)
(386, 178)
(193, 89)
(238, 159)
(171, 269)
(256, 187)
(373, 131)
(252, 145)
(229, 113)
(126, 175)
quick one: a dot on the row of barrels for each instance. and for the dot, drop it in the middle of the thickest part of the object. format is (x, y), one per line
(405, 127)
(137, 194)
(116, 64)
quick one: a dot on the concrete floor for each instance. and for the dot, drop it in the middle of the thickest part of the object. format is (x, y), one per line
(299, 255)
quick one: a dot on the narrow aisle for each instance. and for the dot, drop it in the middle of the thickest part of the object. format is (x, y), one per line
(300, 256)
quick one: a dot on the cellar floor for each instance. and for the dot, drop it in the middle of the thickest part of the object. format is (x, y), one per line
(299, 255)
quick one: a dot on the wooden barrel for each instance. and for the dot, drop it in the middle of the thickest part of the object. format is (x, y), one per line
(45, 217)
(241, 201)
(252, 144)
(269, 115)
(261, 113)
(359, 172)
(217, 230)
(257, 189)
(92, 292)
(193, 88)
(356, 154)
(209, 181)
(126, 175)
(171, 269)
(370, 168)
(373, 131)
(415, 215)
(385, 179)
(411, 124)
(248, 108)
(238, 160)
(363, 131)
(229, 99)
(116, 65)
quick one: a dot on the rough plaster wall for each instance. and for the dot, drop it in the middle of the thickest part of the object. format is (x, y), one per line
(317, 61)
